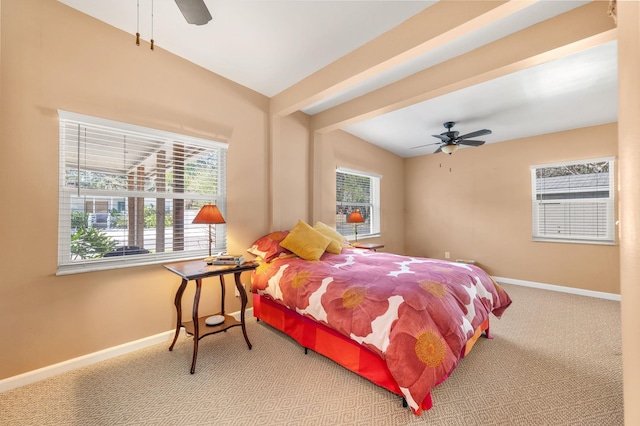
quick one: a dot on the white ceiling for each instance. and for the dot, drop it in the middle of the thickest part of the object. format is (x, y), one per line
(269, 45)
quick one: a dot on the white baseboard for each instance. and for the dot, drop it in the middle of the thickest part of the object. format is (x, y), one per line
(62, 367)
(562, 289)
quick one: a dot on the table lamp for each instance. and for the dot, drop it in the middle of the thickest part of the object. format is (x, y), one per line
(210, 215)
(355, 217)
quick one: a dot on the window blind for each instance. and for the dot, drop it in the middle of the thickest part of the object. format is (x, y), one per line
(128, 194)
(574, 201)
(361, 191)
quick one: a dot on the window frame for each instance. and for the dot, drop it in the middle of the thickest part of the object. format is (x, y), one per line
(608, 203)
(374, 220)
(68, 266)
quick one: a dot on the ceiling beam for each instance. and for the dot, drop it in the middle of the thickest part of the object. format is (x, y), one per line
(436, 25)
(571, 32)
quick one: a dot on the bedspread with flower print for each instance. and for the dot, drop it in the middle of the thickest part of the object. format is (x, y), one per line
(416, 313)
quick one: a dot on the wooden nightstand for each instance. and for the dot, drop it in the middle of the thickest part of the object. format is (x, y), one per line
(196, 270)
(369, 246)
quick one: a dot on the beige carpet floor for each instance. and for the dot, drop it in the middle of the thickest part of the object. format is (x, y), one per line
(555, 360)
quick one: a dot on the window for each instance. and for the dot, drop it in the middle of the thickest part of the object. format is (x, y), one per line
(574, 202)
(128, 194)
(361, 191)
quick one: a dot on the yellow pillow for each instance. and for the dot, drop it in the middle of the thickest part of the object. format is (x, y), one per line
(305, 241)
(335, 246)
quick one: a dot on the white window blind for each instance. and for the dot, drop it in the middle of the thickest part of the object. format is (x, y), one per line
(574, 201)
(128, 194)
(361, 191)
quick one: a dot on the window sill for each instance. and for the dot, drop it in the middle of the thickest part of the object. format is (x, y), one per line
(119, 264)
(362, 237)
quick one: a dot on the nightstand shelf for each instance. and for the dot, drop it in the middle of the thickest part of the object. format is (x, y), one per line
(205, 330)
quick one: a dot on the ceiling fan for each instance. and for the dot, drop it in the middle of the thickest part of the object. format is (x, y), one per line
(450, 141)
(194, 11)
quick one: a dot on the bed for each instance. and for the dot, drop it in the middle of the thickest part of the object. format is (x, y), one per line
(402, 322)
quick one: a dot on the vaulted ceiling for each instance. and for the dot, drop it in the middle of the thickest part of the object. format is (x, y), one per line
(392, 72)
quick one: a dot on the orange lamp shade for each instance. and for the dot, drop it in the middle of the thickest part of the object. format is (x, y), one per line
(209, 214)
(355, 217)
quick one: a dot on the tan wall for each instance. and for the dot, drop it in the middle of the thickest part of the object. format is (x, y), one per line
(54, 57)
(629, 152)
(304, 170)
(476, 204)
(341, 149)
(290, 189)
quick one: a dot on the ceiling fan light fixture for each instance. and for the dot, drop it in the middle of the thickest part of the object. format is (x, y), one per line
(449, 149)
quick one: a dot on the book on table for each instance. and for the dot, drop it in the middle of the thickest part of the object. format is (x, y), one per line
(228, 259)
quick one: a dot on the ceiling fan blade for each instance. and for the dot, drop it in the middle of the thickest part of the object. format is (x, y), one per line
(194, 11)
(428, 144)
(470, 142)
(438, 150)
(443, 137)
(476, 133)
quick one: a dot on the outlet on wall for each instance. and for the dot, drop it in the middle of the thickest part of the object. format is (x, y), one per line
(447, 255)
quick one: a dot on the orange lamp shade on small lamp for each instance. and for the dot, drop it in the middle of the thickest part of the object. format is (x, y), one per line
(209, 214)
(355, 217)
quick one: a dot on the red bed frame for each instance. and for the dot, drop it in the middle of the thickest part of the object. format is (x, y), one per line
(344, 351)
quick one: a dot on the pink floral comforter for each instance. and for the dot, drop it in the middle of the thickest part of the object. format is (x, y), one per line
(416, 313)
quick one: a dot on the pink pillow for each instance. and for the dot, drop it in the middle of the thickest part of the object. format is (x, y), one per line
(268, 247)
